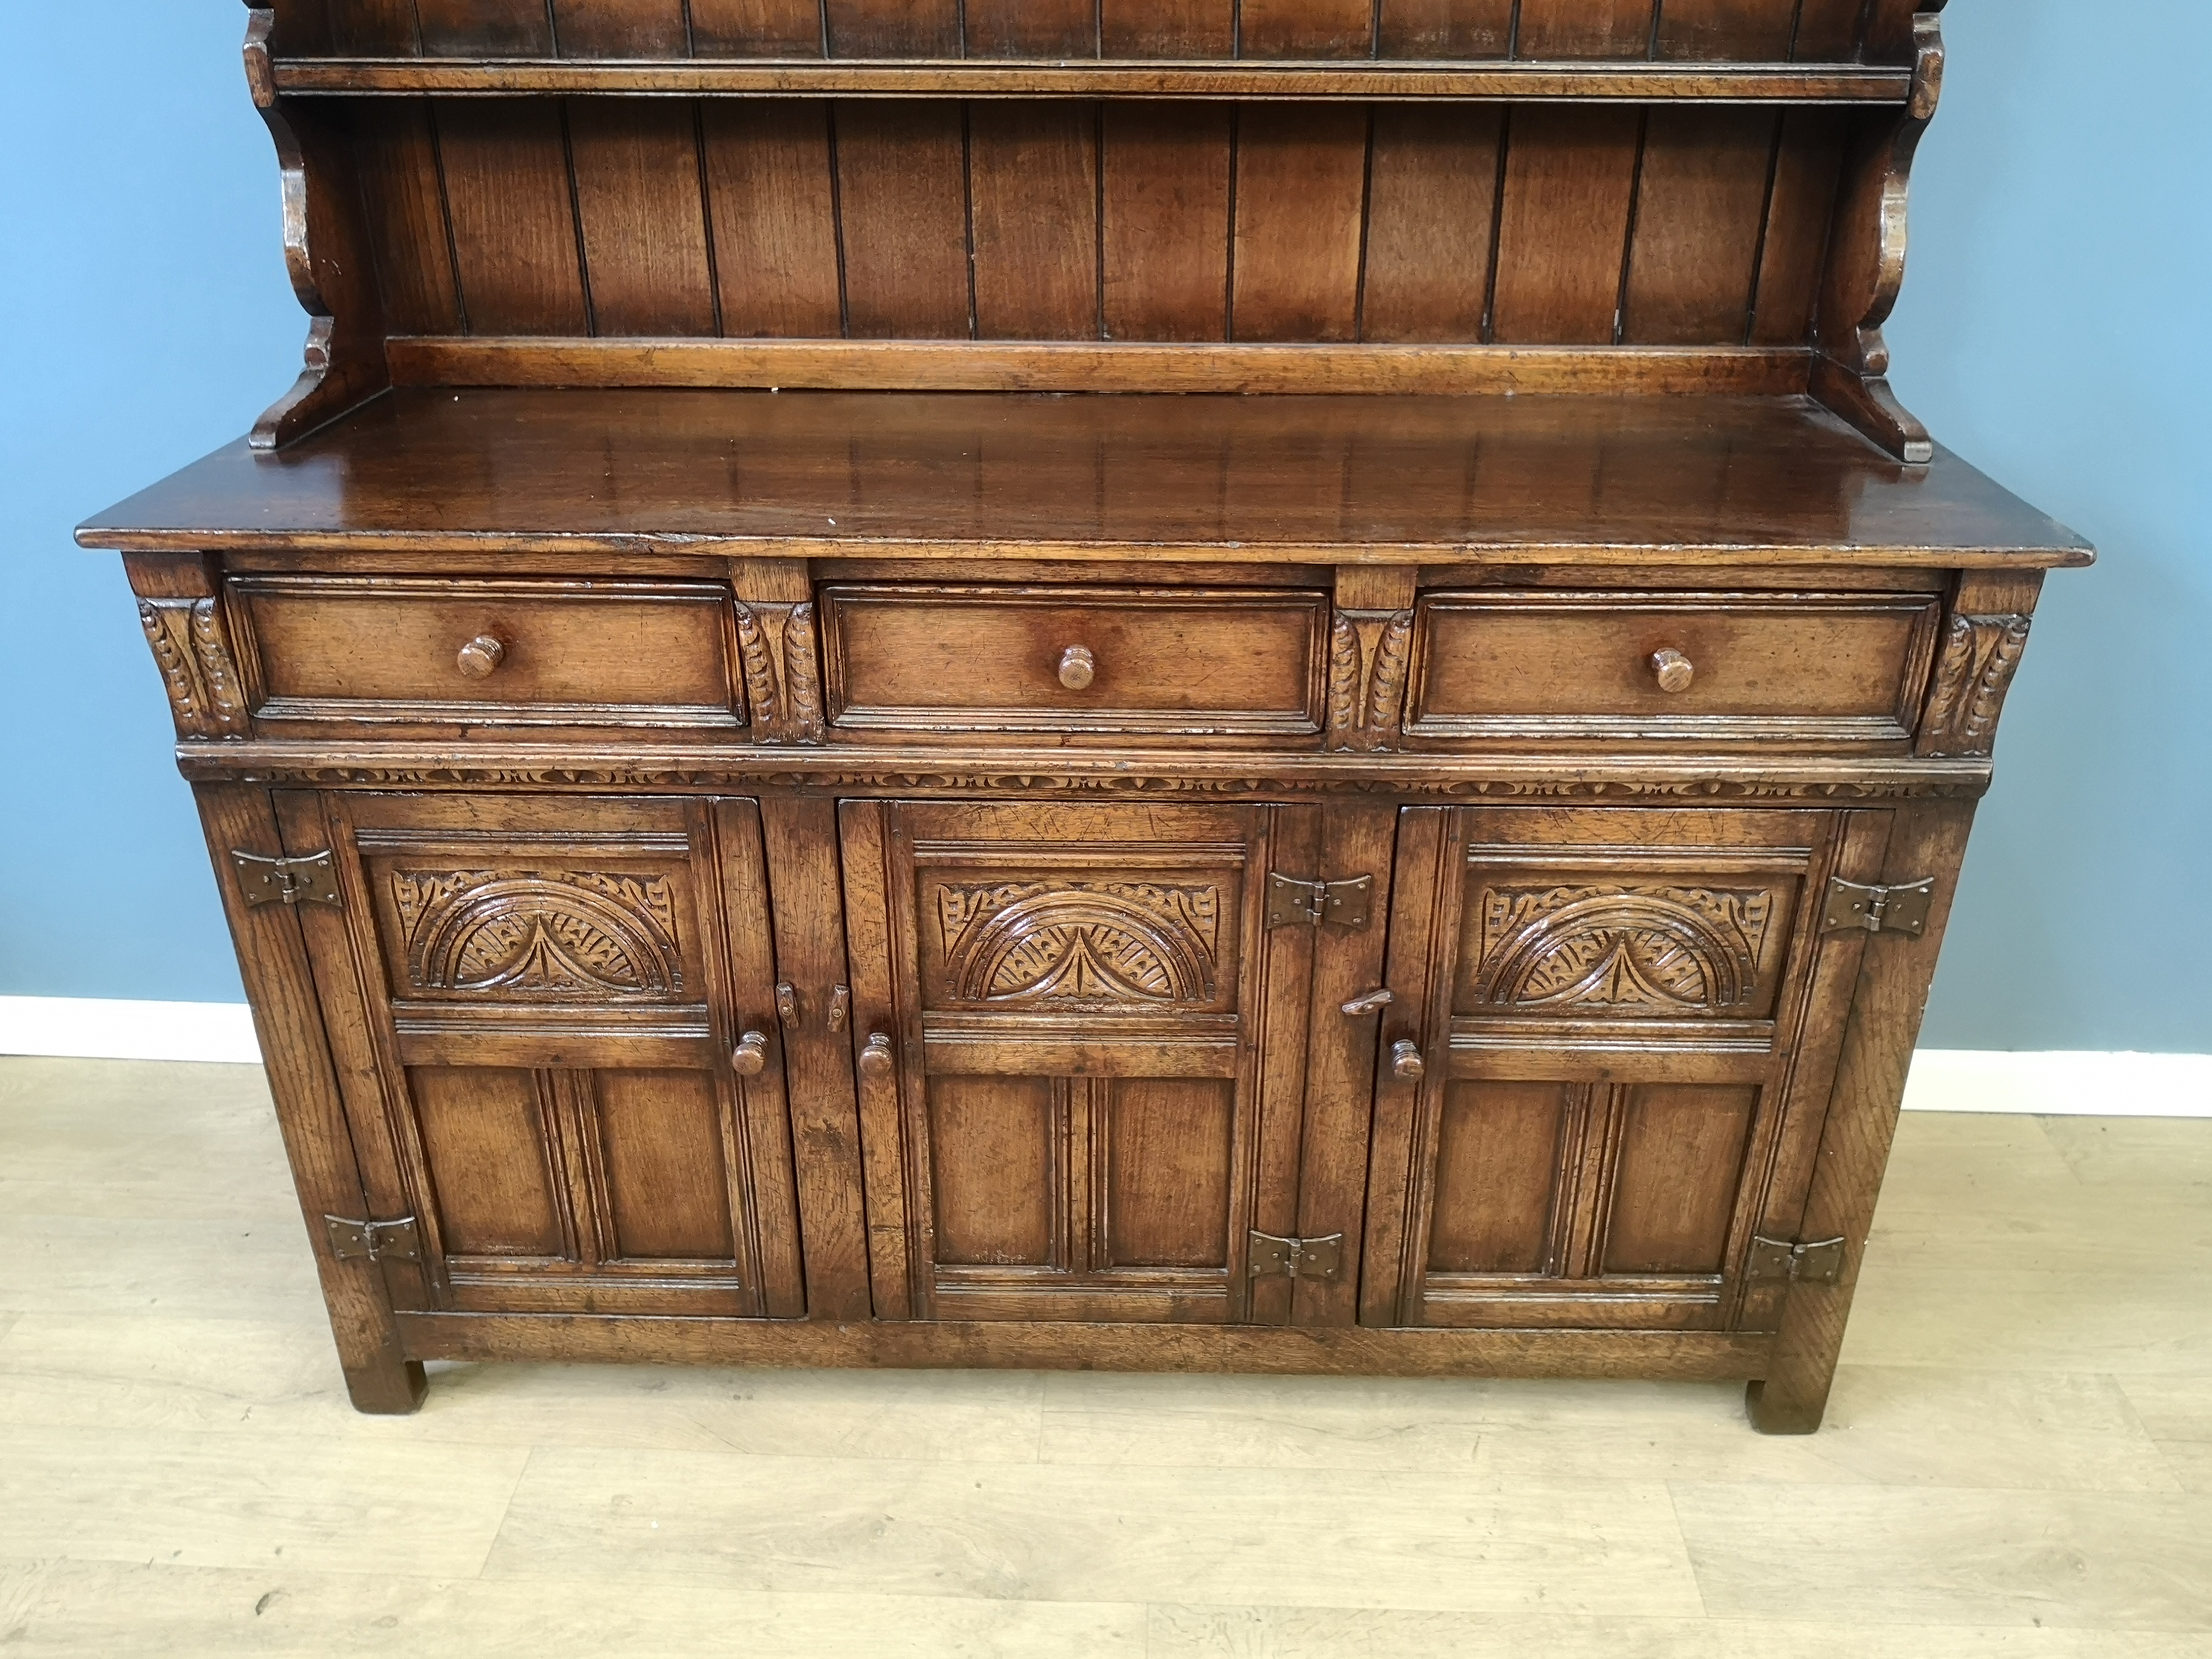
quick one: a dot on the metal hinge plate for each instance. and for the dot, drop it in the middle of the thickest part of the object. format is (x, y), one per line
(1296, 1258)
(374, 1241)
(1295, 903)
(1899, 909)
(311, 879)
(1820, 1262)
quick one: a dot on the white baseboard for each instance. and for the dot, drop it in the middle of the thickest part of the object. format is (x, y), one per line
(2054, 1082)
(94, 1028)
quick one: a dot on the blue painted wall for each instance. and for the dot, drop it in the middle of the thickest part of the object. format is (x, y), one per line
(2053, 330)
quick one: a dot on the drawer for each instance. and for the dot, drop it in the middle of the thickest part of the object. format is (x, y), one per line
(547, 652)
(1088, 660)
(1820, 669)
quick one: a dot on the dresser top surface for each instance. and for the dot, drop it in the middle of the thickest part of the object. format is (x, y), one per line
(1327, 478)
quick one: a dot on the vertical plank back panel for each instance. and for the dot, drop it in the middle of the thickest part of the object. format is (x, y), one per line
(621, 28)
(1807, 170)
(485, 28)
(515, 227)
(1033, 178)
(1167, 29)
(379, 28)
(1828, 30)
(1304, 28)
(1888, 30)
(1164, 181)
(1755, 30)
(1700, 206)
(893, 28)
(1300, 194)
(774, 223)
(756, 28)
(1562, 230)
(1432, 195)
(1444, 28)
(1031, 28)
(1585, 28)
(903, 219)
(644, 219)
(405, 207)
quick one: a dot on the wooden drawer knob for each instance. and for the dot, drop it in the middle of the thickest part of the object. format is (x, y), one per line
(750, 1057)
(1674, 670)
(876, 1057)
(480, 656)
(1406, 1060)
(1078, 668)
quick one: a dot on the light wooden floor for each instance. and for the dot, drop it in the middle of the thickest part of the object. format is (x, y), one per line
(2018, 1460)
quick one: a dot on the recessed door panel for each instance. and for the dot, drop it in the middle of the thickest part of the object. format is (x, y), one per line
(1080, 1049)
(1615, 1031)
(555, 986)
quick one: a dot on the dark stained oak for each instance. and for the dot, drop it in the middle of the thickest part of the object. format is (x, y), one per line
(1170, 684)
(1408, 479)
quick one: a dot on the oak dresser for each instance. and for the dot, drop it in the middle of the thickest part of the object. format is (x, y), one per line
(1142, 683)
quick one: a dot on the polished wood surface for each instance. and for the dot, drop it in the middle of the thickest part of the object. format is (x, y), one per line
(1417, 480)
(1172, 686)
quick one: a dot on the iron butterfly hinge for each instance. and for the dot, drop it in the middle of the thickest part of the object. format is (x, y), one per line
(311, 878)
(1295, 1258)
(1295, 903)
(1899, 909)
(374, 1241)
(1820, 1263)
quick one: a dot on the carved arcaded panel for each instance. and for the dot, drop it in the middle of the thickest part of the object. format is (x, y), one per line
(538, 934)
(1097, 944)
(1368, 654)
(193, 654)
(1976, 670)
(1622, 950)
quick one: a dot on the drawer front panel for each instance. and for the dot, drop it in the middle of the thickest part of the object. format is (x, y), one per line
(1804, 668)
(515, 652)
(1075, 660)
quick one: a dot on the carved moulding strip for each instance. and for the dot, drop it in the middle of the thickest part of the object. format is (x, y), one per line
(1972, 677)
(1091, 943)
(194, 657)
(1368, 654)
(538, 934)
(1432, 777)
(1641, 950)
(776, 646)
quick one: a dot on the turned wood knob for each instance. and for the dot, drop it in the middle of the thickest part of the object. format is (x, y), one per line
(876, 1057)
(1675, 670)
(1078, 668)
(750, 1057)
(1406, 1060)
(480, 656)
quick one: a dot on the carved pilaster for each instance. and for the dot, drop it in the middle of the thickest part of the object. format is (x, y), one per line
(1976, 670)
(193, 654)
(1368, 655)
(783, 672)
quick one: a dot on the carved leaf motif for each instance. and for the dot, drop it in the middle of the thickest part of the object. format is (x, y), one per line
(164, 625)
(1343, 676)
(556, 934)
(225, 706)
(1654, 949)
(802, 675)
(1979, 656)
(1090, 944)
(757, 656)
(1386, 696)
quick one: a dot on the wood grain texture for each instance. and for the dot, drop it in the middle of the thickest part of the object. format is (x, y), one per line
(404, 199)
(1701, 210)
(892, 28)
(1165, 184)
(1030, 28)
(503, 28)
(513, 221)
(1759, 30)
(757, 29)
(1033, 189)
(1585, 28)
(622, 28)
(1563, 225)
(1304, 28)
(1301, 198)
(639, 202)
(903, 219)
(1431, 195)
(768, 184)
(1445, 28)
(1167, 29)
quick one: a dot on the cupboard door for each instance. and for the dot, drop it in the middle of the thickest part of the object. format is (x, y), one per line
(534, 1002)
(1080, 1049)
(1607, 1063)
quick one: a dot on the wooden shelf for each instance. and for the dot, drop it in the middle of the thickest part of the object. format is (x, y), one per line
(1597, 479)
(1335, 81)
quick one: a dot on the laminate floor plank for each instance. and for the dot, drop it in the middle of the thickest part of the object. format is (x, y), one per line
(1048, 1533)
(62, 1609)
(2021, 1432)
